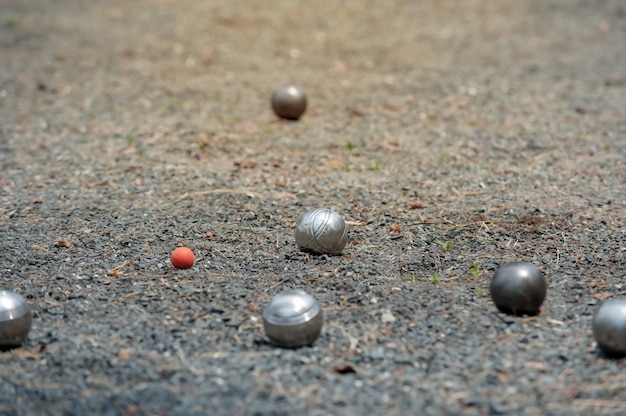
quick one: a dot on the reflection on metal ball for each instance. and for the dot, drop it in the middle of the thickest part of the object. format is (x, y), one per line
(15, 319)
(321, 231)
(518, 288)
(289, 101)
(292, 319)
(609, 326)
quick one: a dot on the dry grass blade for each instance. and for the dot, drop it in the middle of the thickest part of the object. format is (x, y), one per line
(221, 191)
(601, 403)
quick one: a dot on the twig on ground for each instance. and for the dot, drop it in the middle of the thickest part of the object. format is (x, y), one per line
(116, 270)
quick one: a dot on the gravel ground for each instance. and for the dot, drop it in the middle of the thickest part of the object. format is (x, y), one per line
(453, 136)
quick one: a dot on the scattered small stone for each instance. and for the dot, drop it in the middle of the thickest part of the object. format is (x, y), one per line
(387, 317)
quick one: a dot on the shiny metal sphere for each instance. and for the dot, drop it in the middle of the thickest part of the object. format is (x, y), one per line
(609, 326)
(321, 231)
(15, 319)
(289, 101)
(518, 288)
(293, 318)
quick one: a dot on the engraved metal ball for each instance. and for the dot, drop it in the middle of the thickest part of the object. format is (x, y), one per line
(289, 101)
(609, 326)
(518, 288)
(292, 319)
(321, 231)
(15, 319)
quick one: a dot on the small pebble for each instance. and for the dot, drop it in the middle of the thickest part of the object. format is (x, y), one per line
(387, 317)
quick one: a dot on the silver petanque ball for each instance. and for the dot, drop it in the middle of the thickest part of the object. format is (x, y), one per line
(15, 319)
(518, 288)
(292, 319)
(321, 231)
(609, 326)
(289, 101)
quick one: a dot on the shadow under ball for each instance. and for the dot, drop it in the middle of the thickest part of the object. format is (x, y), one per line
(15, 319)
(518, 288)
(609, 326)
(289, 102)
(292, 319)
(321, 231)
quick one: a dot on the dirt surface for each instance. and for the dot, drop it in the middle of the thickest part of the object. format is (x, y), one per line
(453, 136)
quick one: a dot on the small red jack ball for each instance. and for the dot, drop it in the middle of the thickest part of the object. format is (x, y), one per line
(182, 258)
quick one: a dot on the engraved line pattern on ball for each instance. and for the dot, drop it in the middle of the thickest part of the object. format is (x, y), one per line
(321, 230)
(344, 236)
(322, 225)
(311, 243)
(337, 245)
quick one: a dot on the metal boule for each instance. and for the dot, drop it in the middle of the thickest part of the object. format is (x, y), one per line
(293, 318)
(518, 288)
(321, 231)
(15, 319)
